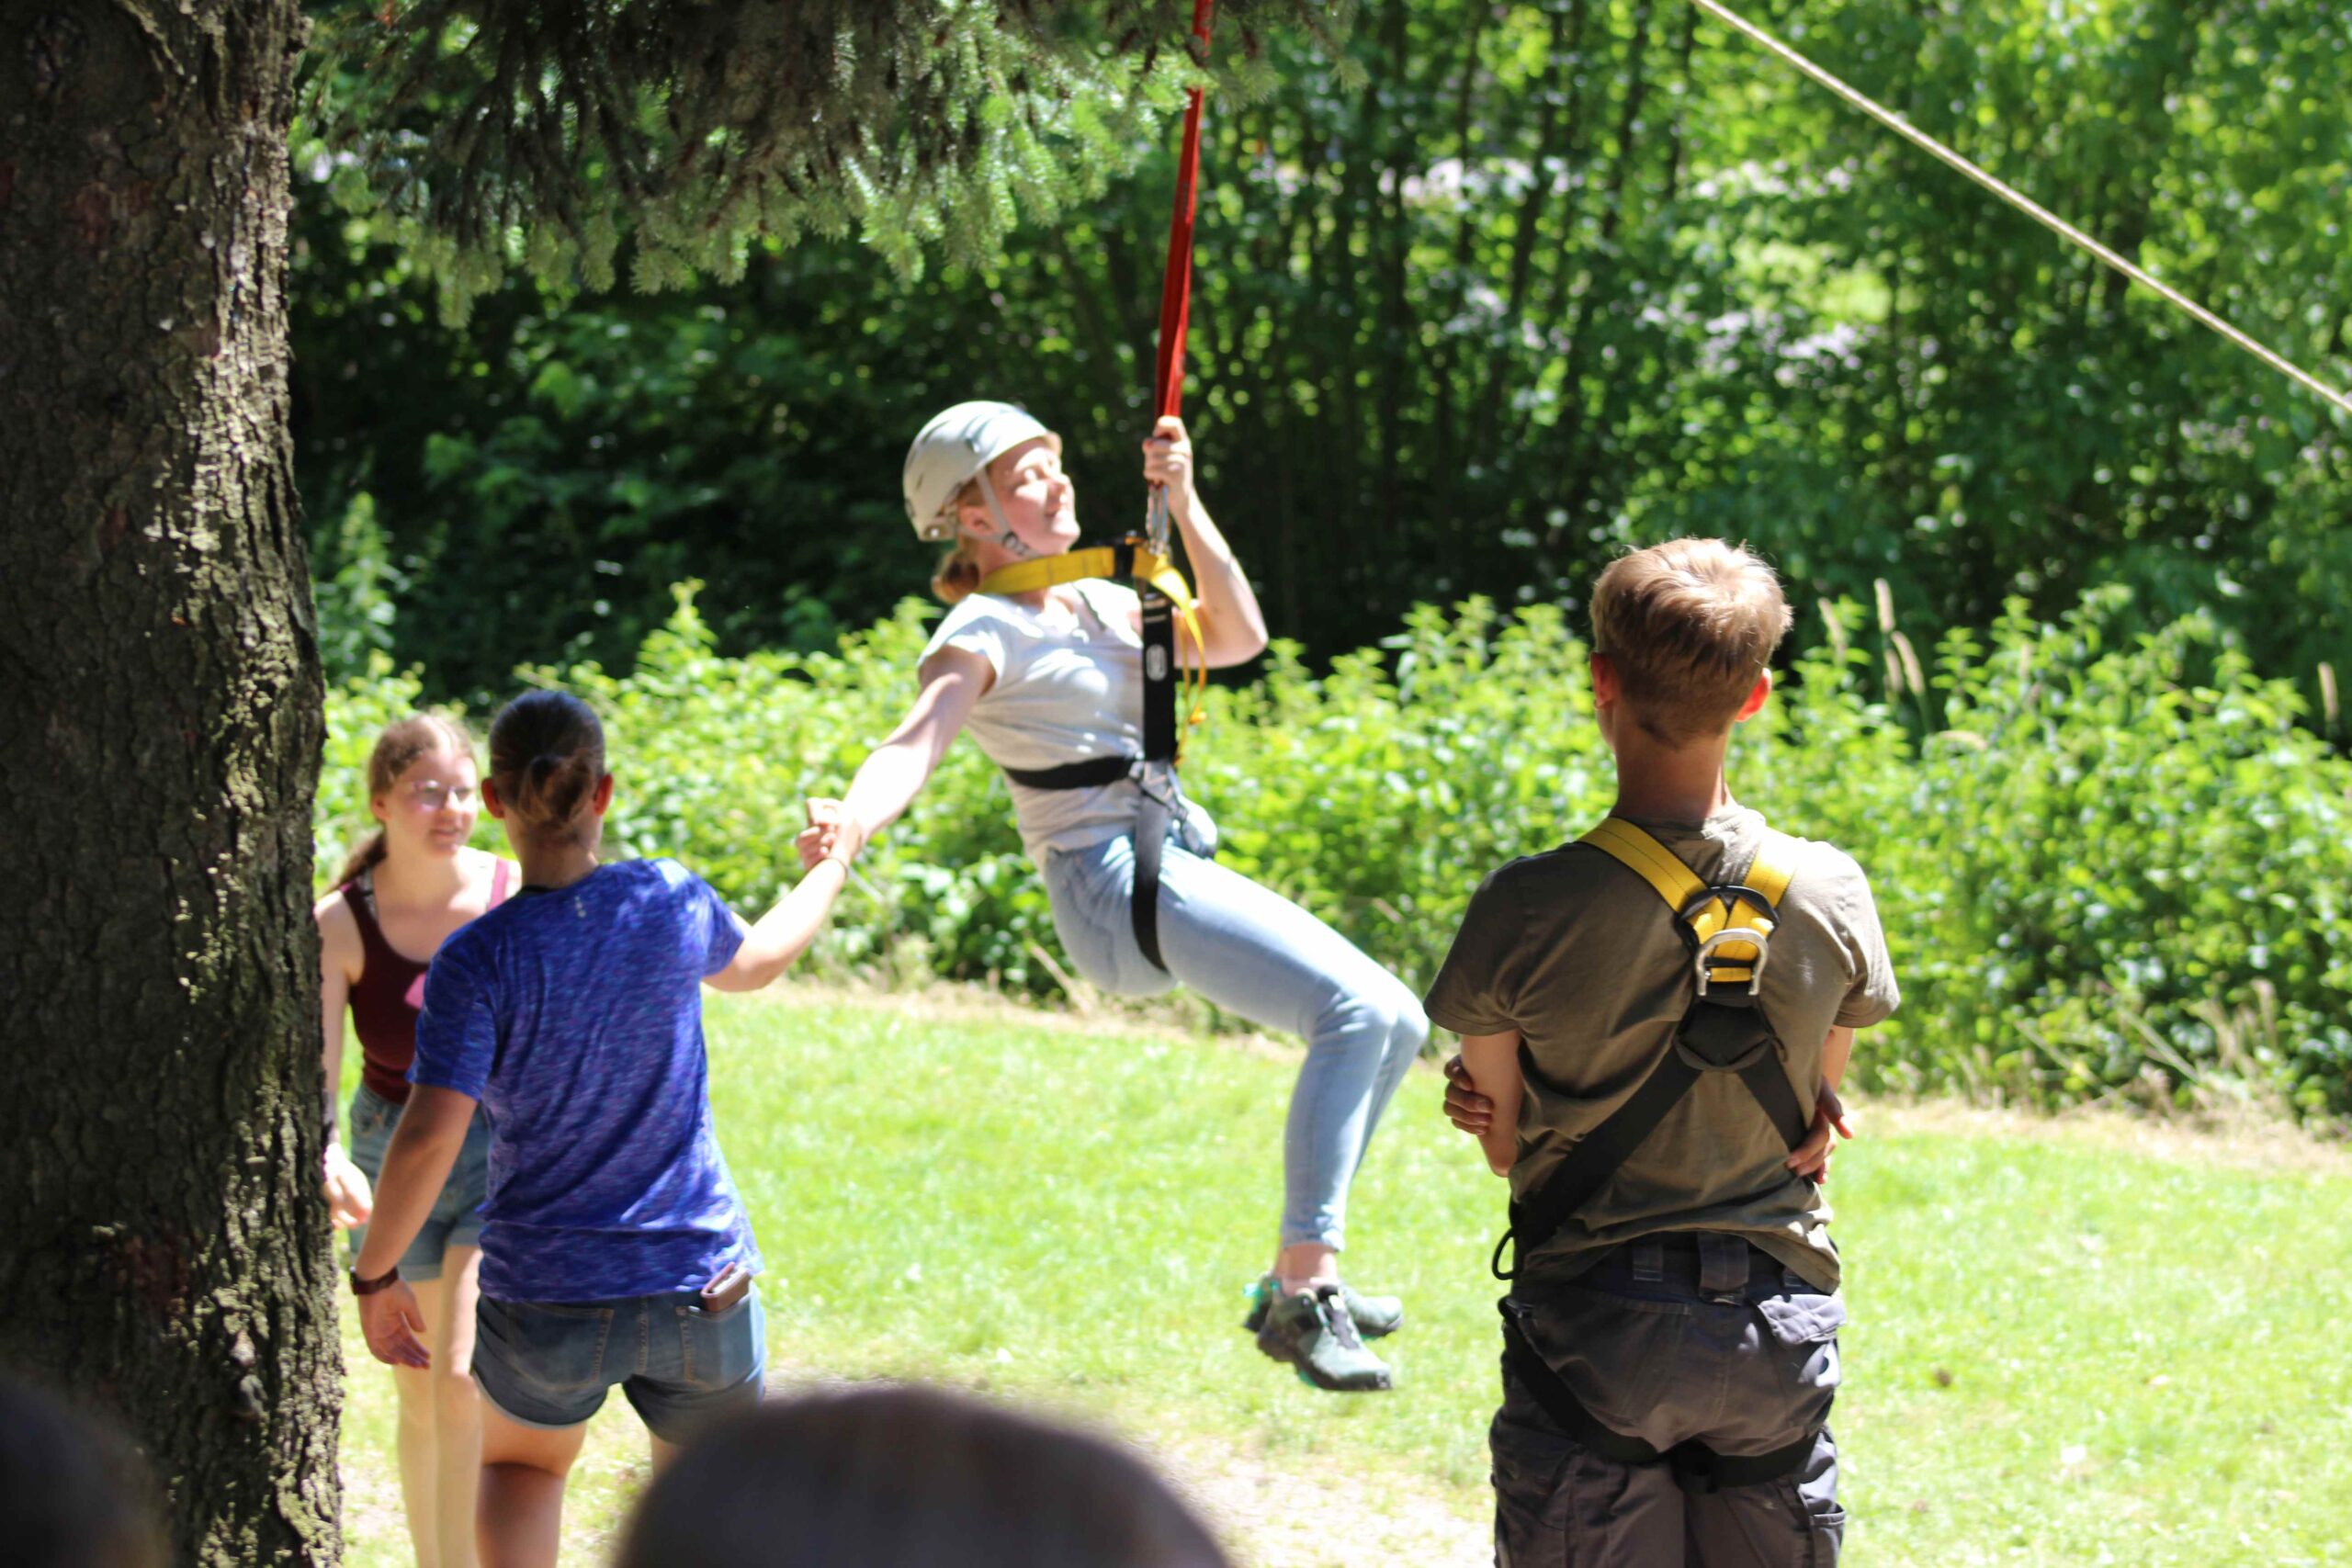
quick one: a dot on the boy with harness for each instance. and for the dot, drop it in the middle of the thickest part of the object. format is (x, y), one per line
(1656, 1017)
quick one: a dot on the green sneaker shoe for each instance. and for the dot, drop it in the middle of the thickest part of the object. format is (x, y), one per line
(1312, 1331)
(1376, 1316)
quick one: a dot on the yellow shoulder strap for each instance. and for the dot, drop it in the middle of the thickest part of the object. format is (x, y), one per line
(1775, 864)
(1768, 875)
(1048, 571)
(1647, 859)
(1099, 560)
(1103, 561)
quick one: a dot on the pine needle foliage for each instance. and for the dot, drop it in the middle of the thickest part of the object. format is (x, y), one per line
(538, 133)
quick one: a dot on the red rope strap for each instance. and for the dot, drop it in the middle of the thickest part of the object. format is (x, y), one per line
(1176, 283)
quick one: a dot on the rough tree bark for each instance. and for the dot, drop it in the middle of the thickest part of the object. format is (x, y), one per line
(164, 1253)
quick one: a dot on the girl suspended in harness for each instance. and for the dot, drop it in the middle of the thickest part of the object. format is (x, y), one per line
(1050, 680)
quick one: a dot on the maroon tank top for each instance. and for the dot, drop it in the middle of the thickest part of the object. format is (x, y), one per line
(389, 993)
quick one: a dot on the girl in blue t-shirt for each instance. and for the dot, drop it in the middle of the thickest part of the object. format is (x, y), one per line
(615, 1251)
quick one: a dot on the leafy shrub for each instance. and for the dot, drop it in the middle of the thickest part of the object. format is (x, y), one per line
(2101, 867)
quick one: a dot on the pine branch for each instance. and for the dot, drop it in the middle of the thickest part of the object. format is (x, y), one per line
(535, 133)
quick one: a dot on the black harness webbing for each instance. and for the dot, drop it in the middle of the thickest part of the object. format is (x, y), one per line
(1727, 930)
(1714, 1037)
(1697, 1468)
(1724, 1030)
(1154, 809)
(1153, 817)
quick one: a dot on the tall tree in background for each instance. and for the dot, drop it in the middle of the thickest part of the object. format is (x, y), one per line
(166, 1254)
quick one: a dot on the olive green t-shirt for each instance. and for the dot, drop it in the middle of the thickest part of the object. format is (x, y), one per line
(1582, 957)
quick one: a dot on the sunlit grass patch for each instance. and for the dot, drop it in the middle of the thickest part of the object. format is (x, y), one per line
(2065, 1350)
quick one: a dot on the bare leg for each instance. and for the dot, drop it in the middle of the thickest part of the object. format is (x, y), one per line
(456, 1407)
(1305, 1264)
(664, 1454)
(518, 1516)
(418, 1462)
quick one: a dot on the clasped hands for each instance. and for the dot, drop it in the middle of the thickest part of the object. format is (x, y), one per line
(834, 833)
(1473, 1112)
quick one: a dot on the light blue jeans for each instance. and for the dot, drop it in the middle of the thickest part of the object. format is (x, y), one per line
(1256, 954)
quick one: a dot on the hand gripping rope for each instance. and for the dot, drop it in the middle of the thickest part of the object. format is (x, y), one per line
(1144, 559)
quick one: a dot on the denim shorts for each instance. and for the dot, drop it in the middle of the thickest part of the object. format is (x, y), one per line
(456, 1220)
(550, 1365)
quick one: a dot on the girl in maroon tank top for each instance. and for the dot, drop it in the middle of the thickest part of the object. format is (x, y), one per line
(402, 894)
(390, 991)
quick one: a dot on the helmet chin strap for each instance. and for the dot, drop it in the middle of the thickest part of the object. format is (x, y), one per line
(1013, 543)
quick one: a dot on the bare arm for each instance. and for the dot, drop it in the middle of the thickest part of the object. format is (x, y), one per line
(425, 1146)
(785, 933)
(1810, 1160)
(1491, 1063)
(1836, 1052)
(954, 680)
(340, 957)
(1233, 628)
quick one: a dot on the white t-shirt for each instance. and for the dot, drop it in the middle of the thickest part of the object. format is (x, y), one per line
(1064, 692)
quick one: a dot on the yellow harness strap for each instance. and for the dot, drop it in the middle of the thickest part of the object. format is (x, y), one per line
(1728, 908)
(1102, 561)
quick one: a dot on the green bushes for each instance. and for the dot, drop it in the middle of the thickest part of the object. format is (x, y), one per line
(2102, 868)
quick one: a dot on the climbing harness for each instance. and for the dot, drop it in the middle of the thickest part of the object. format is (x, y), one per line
(1697, 1468)
(1166, 600)
(1143, 560)
(1727, 929)
(2024, 203)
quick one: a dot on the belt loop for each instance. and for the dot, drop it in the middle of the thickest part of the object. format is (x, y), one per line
(1723, 1265)
(1649, 1261)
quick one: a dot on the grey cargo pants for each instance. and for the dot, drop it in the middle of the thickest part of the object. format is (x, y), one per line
(1672, 1338)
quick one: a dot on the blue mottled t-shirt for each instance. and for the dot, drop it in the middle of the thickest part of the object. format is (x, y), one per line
(575, 1017)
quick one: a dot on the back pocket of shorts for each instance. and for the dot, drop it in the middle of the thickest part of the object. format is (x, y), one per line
(555, 1349)
(720, 1350)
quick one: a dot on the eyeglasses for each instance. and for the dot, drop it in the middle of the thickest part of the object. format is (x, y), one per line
(432, 794)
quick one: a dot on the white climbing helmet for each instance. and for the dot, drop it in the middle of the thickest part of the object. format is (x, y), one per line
(955, 447)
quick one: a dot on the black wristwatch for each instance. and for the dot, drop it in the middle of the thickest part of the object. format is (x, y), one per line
(385, 1280)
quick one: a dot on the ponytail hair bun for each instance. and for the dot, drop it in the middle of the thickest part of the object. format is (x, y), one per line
(958, 577)
(546, 756)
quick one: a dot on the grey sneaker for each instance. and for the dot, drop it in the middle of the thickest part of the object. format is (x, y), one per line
(1376, 1316)
(1312, 1331)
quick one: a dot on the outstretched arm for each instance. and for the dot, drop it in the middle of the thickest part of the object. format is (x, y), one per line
(954, 679)
(785, 933)
(1233, 629)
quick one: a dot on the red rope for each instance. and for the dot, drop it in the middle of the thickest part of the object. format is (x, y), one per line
(1176, 283)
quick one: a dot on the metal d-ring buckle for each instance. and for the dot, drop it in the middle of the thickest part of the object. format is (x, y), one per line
(1157, 779)
(1749, 934)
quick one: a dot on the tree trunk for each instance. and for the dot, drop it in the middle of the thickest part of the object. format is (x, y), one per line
(166, 1254)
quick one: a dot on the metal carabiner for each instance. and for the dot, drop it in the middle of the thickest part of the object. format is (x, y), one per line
(1749, 934)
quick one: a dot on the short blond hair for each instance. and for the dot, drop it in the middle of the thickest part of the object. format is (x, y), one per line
(1689, 626)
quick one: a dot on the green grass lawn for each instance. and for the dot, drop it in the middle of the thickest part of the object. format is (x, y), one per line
(2066, 1348)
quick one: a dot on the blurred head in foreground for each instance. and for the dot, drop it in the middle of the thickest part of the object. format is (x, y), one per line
(910, 1478)
(73, 1494)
